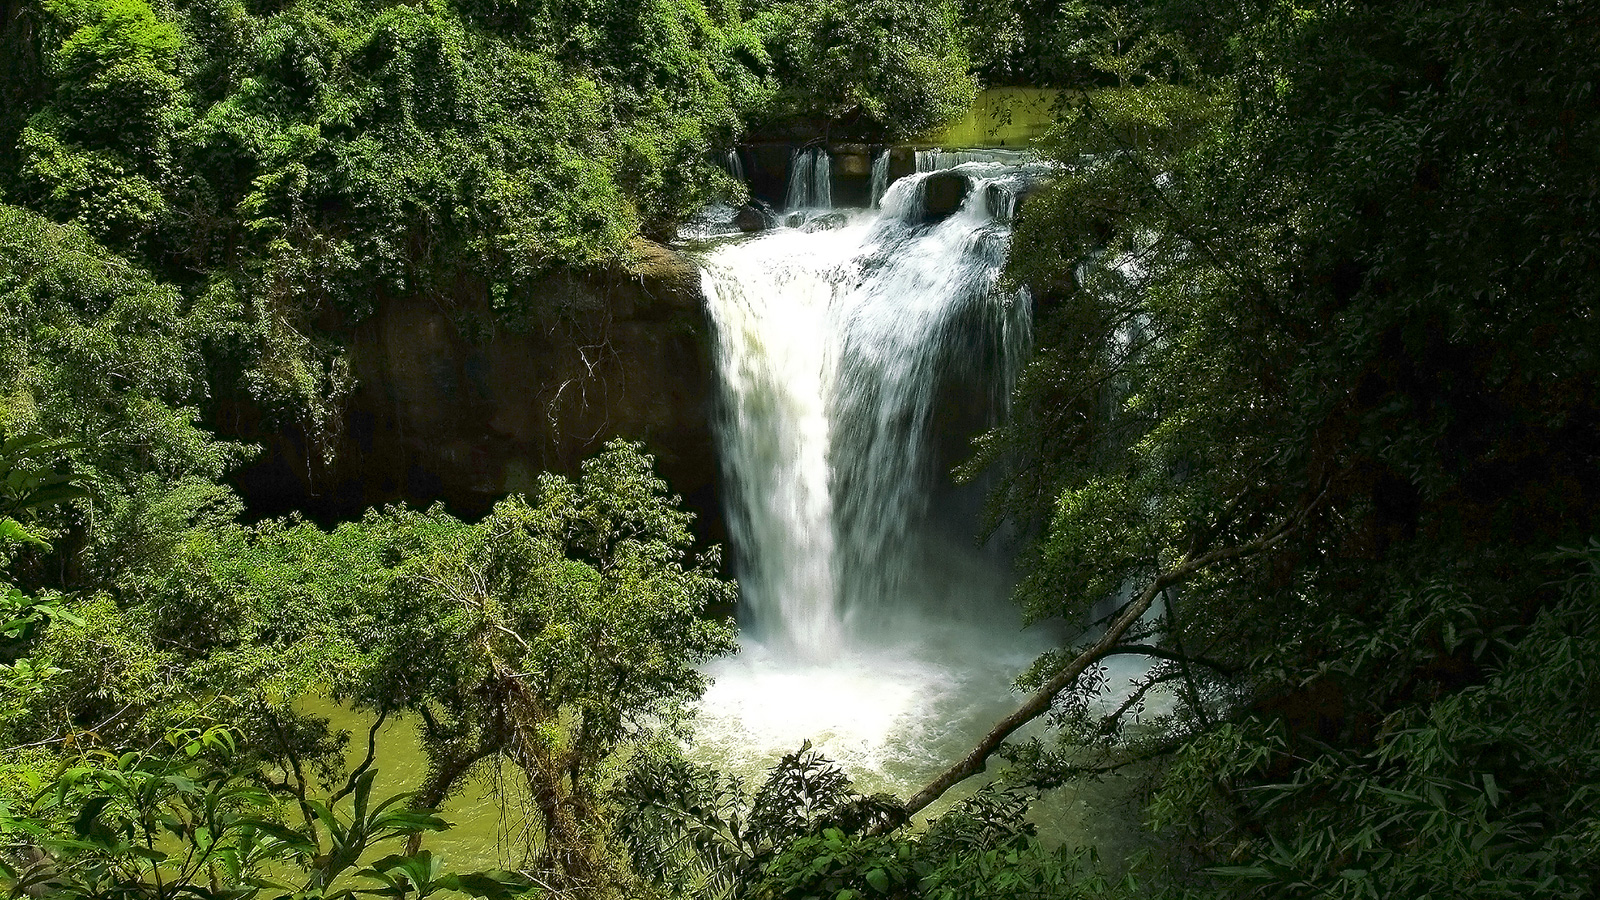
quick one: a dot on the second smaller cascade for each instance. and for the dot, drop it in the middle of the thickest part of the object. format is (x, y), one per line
(810, 180)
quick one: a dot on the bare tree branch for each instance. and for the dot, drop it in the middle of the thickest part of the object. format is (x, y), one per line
(1169, 656)
(1039, 702)
(372, 752)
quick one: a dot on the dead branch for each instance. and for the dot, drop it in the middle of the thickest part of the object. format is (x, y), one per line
(1169, 656)
(1039, 702)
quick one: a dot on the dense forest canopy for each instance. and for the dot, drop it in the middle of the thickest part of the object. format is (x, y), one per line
(1313, 402)
(1321, 318)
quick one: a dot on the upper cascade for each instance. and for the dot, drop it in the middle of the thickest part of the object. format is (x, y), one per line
(841, 352)
(934, 160)
(983, 186)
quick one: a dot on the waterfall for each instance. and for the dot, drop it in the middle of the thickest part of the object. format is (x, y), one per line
(810, 180)
(937, 160)
(735, 166)
(854, 363)
(835, 351)
(798, 195)
(880, 177)
(822, 180)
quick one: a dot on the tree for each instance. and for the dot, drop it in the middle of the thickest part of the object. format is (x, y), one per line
(807, 833)
(566, 631)
(880, 69)
(558, 636)
(1314, 323)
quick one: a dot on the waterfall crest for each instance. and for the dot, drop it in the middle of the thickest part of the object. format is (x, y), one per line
(939, 160)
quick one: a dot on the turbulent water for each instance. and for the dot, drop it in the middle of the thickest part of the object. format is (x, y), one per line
(857, 354)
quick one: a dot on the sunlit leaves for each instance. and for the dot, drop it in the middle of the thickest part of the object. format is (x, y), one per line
(187, 817)
(877, 68)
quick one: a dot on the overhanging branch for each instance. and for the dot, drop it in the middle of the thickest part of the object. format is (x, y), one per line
(1039, 702)
(1169, 656)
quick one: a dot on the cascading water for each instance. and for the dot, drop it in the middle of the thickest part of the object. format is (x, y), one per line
(810, 181)
(937, 160)
(880, 178)
(854, 362)
(822, 180)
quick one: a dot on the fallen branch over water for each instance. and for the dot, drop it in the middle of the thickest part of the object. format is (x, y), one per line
(1039, 702)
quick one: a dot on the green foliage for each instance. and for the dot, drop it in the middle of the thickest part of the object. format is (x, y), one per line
(879, 68)
(28, 477)
(554, 634)
(183, 820)
(982, 848)
(557, 635)
(312, 153)
(1489, 791)
(1243, 340)
(96, 349)
(806, 833)
(22, 618)
(29, 483)
(100, 154)
(1308, 313)
(698, 833)
(1048, 43)
(588, 592)
(576, 625)
(93, 349)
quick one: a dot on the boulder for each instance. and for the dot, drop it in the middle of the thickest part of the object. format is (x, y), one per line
(750, 218)
(826, 222)
(943, 193)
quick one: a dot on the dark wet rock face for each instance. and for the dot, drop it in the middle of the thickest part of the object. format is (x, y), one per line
(450, 408)
(749, 219)
(625, 359)
(943, 194)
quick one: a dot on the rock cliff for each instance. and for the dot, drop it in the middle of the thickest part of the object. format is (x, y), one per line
(451, 407)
